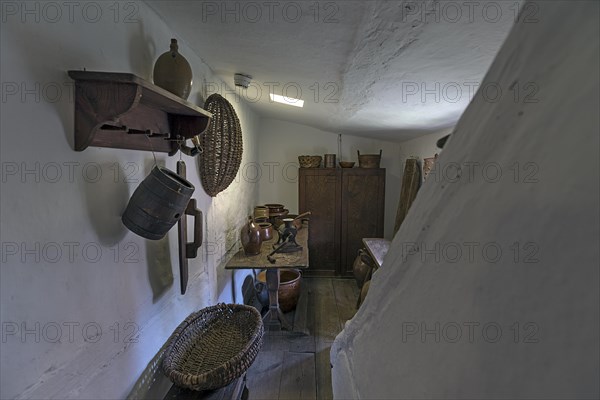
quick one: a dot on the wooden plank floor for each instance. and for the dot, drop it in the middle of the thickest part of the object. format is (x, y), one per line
(297, 367)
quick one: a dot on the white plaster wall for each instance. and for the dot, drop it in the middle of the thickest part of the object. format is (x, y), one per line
(404, 343)
(133, 286)
(424, 146)
(280, 143)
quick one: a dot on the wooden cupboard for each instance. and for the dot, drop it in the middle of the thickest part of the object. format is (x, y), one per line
(347, 205)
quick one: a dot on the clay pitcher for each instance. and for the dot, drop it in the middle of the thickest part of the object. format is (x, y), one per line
(250, 237)
(362, 267)
(262, 293)
(172, 72)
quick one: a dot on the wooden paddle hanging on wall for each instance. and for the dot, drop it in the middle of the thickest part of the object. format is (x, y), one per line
(188, 250)
(411, 182)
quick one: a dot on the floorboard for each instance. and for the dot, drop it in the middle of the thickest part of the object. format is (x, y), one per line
(297, 365)
(292, 343)
(323, 370)
(346, 293)
(264, 376)
(298, 379)
(327, 324)
(301, 316)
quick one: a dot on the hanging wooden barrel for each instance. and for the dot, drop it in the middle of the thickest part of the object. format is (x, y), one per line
(157, 203)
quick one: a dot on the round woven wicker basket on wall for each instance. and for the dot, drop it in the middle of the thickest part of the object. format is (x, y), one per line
(222, 146)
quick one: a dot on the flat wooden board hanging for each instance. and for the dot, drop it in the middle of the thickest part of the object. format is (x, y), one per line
(411, 181)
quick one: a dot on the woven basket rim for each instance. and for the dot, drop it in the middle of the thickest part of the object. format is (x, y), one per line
(306, 161)
(227, 367)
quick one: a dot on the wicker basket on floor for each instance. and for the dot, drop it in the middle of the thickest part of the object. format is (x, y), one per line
(213, 346)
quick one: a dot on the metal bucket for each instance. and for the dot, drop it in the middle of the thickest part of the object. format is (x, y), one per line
(157, 203)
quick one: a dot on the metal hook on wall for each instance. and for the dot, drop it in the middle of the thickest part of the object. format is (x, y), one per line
(191, 151)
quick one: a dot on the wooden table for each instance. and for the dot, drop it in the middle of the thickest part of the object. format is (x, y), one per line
(377, 248)
(298, 259)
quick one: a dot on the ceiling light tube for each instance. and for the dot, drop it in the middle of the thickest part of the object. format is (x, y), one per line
(290, 101)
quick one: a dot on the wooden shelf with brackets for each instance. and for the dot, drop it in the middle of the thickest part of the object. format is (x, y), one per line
(122, 110)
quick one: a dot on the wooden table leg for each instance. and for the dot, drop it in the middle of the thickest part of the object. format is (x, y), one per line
(275, 316)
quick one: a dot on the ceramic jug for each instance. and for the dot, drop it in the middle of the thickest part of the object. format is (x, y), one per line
(250, 237)
(172, 72)
(362, 267)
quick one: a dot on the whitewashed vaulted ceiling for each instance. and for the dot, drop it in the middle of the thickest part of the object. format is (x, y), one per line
(386, 69)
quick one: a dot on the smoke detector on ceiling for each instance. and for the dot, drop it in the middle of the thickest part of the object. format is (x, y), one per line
(242, 80)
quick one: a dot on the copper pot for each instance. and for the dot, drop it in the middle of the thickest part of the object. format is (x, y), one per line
(260, 220)
(282, 213)
(277, 218)
(289, 287)
(275, 208)
(266, 231)
(261, 212)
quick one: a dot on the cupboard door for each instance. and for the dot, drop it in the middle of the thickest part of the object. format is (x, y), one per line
(363, 200)
(320, 193)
